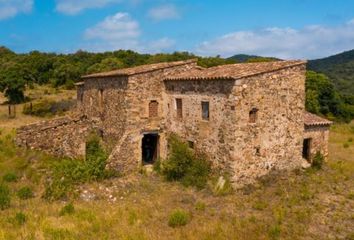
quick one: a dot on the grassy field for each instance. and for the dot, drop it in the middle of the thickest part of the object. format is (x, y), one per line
(311, 204)
(38, 92)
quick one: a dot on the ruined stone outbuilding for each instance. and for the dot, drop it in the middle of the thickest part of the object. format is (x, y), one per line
(248, 118)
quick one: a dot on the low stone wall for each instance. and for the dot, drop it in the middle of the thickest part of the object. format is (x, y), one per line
(60, 137)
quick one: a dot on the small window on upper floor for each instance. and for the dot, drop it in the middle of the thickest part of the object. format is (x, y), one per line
(205, 110)
(253, 115)
(179, 108)
(153, 108)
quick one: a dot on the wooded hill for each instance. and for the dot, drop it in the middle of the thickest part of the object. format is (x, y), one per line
(339, 68)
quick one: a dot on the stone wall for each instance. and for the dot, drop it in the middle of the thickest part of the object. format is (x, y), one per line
(105, 102)
(319, 136)
(245, 150)
(141, 90)
(61, 137)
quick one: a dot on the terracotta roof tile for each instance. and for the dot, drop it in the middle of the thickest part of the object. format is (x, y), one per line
(234, 71)
(314, 120)
(139, 69)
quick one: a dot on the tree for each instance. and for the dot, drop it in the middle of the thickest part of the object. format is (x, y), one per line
(107, 64)
(323, 98)
(65, 74)
(13, 78)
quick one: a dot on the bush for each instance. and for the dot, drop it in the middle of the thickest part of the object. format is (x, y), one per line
(44, 107)
(178, 218)
(70, 172)
(350, 139)
(20, 218)
(345, 145)
(157, 166)
(67, 210)
(317, 160)
(5, 198)
(25, 193)
(10, 177)
(184, 165)
(274, 231)
(200, 206)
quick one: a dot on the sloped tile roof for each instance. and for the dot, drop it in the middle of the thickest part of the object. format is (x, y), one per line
(311, 119)
(139, 69)
(234, 71)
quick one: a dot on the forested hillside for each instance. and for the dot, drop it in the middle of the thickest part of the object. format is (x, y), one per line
(18, 71)
(242, 58)
(339, 68)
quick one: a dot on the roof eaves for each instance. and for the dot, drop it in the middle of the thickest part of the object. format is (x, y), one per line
(102, 75)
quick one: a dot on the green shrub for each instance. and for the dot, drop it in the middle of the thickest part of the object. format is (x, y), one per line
(20, 218)
(10, 177)
(274, 231)
(157, 166)
(45, 107)
(260, 205)
(317, 160)
(5, 198)
(25, 193)
(178, 218)
(184, 165)
(200, 206)
(68, 209)
(350, 139)
(345, 145)
(70, 172)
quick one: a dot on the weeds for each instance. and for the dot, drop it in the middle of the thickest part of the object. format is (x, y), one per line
(25, 193)
(178, 218)
(10, 177)
(68, 209)
(68, 173)
(200, 206)
(5, 198)
(20, 218)
(317, 160)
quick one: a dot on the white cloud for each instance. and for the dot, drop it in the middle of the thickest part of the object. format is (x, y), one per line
(10, 8)
(159, 45)
(73, 7)
(164, 12)
(309, 42)
(121, 31)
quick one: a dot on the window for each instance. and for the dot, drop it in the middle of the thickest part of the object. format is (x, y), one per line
(205, 110)
(153, 108)
(179, 108)
(253, 115)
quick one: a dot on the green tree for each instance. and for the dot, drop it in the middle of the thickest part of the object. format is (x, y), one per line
(13, 79)
(107, 64)
(65, 73)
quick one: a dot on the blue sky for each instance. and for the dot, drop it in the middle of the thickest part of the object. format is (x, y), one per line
(302, 29)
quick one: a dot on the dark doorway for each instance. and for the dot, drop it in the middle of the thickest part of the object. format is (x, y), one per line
(150, 148)
(306, 149)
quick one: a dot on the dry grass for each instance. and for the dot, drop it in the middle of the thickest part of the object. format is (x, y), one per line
(38, 92)
(300, 205)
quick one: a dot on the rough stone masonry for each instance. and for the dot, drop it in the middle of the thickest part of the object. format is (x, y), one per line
(249, 118)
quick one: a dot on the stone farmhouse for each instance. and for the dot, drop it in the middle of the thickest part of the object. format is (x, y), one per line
(248, 118)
